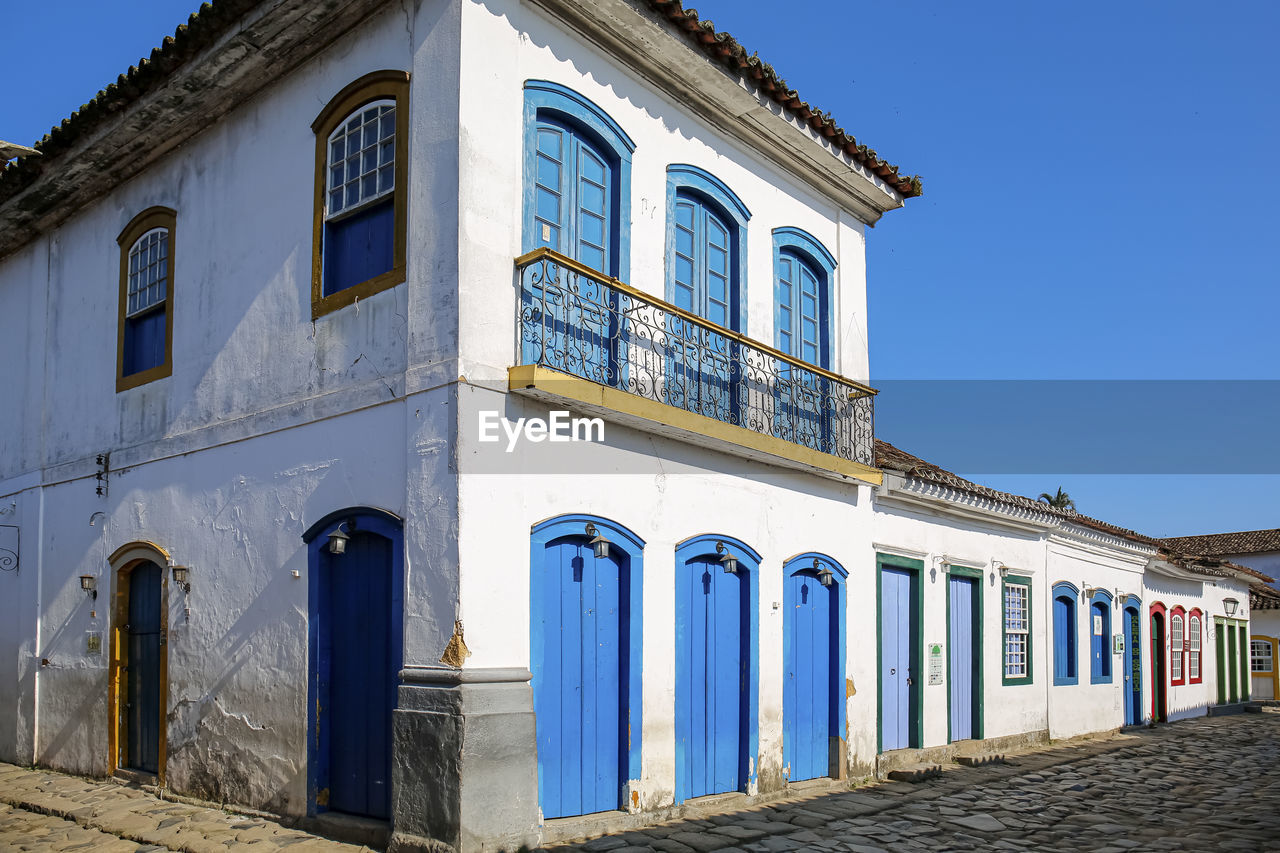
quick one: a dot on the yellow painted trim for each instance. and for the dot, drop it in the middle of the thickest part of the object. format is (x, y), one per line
(1275, 669)
(371, 87)
(152, 217)
(701, 322)
(589, 393)
(122, 562)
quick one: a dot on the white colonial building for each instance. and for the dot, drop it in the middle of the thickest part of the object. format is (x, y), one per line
(456, 416)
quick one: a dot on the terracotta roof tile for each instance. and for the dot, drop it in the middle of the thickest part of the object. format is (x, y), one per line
(725, 49)
(1242, 542)
(1263, 597)
(214, 19)
(893, 459)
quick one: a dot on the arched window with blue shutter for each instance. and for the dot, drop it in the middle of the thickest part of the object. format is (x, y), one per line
(1100, 637)
(803, 276)
(1064, 633)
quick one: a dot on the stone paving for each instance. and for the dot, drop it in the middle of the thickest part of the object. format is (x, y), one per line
(1206, 784)
(44, 811)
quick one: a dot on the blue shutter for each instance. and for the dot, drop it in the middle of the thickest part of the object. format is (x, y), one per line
(1064, 640)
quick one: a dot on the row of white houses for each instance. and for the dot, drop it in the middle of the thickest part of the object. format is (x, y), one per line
(293, 512)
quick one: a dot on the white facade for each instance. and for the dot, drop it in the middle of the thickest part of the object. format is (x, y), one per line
(274, 420)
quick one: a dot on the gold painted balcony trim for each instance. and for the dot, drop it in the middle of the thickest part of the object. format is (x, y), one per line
(629, 409)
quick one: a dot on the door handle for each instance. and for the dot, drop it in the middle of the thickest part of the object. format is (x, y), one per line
(893, 671)
(909, 681)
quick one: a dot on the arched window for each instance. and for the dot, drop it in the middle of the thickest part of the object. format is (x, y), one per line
(803, 272)
(358, 245)
(1194, 629)
(1064, 633)
(145, 337)
(1100, 637)
(577, 168)
(1177, 646)
(706, 236)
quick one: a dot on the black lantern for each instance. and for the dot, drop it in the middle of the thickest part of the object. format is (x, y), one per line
(727, 560)
(825, 575)
(599, 545)
(338, 541)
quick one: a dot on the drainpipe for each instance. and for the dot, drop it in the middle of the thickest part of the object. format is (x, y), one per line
(38, 657)
(1048, 632)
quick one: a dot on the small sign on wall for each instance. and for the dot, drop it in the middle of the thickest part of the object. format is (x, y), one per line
(935, 663)
(1118, 644)
(1097, 624)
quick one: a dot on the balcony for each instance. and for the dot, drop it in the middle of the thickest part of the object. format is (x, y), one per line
(602, 346)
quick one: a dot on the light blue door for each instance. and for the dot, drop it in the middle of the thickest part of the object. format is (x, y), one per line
(712, 636)
(580, 678)
(897, 657)
(702, 363)
(809, 714)
(571, 210)
(963, 660)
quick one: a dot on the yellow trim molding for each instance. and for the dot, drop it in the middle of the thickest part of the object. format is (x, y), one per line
(152, 217)
(1275, 663)
(629, 409)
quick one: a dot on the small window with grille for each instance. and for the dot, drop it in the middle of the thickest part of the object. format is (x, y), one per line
(146, 294)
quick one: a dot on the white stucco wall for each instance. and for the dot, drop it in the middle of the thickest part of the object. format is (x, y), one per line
(1117, 567)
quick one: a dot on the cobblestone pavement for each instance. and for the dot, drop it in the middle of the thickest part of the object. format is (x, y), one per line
(43, 811)
(1207, 784)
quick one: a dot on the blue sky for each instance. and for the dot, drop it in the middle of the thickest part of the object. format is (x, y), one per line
(1100, 199)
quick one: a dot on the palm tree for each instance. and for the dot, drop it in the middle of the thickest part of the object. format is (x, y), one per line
(1061, 500)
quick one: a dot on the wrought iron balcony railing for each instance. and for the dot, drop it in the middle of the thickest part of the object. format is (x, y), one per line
(580, 322)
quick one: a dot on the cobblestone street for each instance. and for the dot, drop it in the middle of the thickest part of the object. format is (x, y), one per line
(1207, 784)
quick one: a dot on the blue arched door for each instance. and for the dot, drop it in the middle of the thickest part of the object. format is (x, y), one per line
(585, 660)
(356, 654)
(574, 211)
(142, 670)
(812, 702)
(1132, 666)
(716, 667)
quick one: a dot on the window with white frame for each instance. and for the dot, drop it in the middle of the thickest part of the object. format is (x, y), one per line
(1017, 631)
(362, 154)
(1261, 656)
(1193, 648)
(1175, 648)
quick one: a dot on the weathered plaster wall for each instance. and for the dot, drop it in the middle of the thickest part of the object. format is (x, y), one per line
(930, 534)
(268, 422)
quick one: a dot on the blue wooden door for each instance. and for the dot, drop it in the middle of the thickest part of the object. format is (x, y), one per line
(898, 653)
(701, 363)
(573, 212)
(809, 712)
(712, 633)
(358, 645)
(580, 677)
(142, 670)
(1132, 668)
(962, 638)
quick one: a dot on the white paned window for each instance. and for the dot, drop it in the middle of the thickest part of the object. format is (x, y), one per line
(362, 153)
(1193, 648)
(1017, 626)
(1175, 648)
(1260, 656)
(148, 271)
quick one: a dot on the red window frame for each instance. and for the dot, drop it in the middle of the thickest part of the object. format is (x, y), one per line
(1180, 652)
(1198, 615)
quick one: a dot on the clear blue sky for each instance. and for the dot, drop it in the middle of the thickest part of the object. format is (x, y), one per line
(1101, 194)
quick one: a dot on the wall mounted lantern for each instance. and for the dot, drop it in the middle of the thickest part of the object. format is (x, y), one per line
(1119, 597)
(825, 575)
(338, 541)
(1230, 604)
(599, 544)
(182, 577)
(727, 560)
(89, 583)
(1000, 567)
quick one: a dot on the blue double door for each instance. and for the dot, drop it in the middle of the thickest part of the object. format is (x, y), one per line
(581, 676)
(713, 636)
(144, 632)
(811, 690)
(1132, 666)
(900, 657)
(964, 661)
